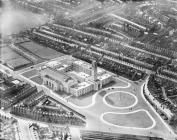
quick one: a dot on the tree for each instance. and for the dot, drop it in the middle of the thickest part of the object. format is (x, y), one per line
(173, 120)
(36, 127)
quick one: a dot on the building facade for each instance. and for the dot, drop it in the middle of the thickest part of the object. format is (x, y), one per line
(75, 77)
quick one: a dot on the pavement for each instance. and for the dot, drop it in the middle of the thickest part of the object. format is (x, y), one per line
(93, 112)
(98, 108)
(24, 130)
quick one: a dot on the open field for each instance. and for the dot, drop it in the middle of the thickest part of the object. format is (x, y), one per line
(37, 79)
(41, 51)
(30, 73)
(33, 75)
(13, 59)
(136, 119)
(18, 63)
(120, 99)
(8, 54)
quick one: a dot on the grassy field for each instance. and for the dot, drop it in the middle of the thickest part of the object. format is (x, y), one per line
(138, 119)
(18, 62)
(8, 54)
(13, 59)
(41, 51)
(30, 73)
(120, 99)
(37, 79)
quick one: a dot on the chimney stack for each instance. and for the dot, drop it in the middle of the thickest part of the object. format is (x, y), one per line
(94, 70)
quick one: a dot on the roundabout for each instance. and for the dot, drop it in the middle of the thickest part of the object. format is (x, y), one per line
(120, 100)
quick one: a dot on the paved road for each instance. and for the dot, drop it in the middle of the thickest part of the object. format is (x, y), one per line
(24, 130)
(93, 111)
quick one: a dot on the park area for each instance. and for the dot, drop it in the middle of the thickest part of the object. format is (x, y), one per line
(136, 119)
(120, 99)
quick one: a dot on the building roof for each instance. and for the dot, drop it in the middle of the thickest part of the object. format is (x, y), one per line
(81, 85)
(128, 21)
(80, 74)
(104, 76)
(100, 71)
(53, 63)
(83, 64)
(16, 82)
(61, 67)
(59, 76)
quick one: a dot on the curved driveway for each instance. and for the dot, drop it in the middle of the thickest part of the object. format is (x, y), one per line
(97, 108)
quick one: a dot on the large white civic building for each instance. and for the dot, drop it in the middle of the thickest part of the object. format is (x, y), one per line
(74, 76)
